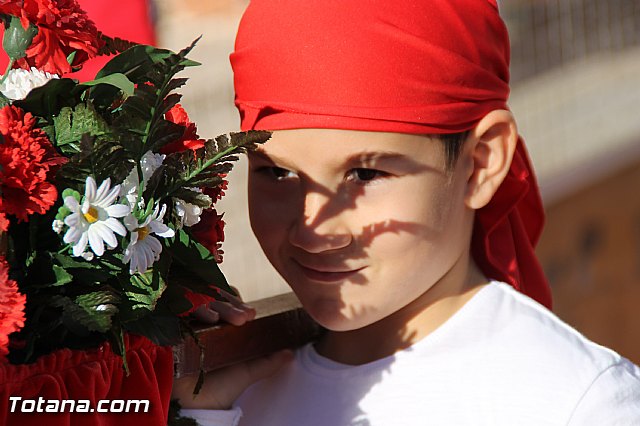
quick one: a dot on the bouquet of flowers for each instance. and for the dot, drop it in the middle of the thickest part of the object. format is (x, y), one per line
(106, 191)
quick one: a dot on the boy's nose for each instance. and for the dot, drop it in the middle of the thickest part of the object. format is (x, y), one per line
(319, 226)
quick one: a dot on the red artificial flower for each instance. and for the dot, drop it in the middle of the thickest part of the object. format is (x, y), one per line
(210, 232)
(189, 139)
(27, 160)
(63, 28)
(4, 222)
(11, 308)
(217, 192)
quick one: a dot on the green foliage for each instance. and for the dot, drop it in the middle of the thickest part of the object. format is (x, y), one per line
(103, 128)
(202, 168)
(4, 101)
(98, 157)
(83, 272)
(46, 101)
(160, 329)
(92, 311)
(62, 276)
(114, 45)
(144, 291)
(140, 119)
(193, 265)
(117, 80)
(73, 123)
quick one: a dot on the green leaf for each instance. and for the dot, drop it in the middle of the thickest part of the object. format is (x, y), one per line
(117, 340)
(161, 330)
(163, 133)
(62, 276)
(140, 119)
(100, 306)
(194, 265)
(88, 273)
(117, 79)
(48, 100)
(72, 123)
(92, 311)
(4, 101)
(138, 61)
(71, 57)
(114, 45)
(174, 301)
(145, 291)
(202, 168)
(135, 62)
(99, 157)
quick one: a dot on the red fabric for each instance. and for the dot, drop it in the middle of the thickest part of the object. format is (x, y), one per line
(401, 66)
(96, 374)
(127, 19)
(91, 375)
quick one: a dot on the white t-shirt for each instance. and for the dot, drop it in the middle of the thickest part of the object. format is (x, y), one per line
(502, 359)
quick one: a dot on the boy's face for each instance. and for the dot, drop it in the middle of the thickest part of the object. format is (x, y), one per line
(360, 224)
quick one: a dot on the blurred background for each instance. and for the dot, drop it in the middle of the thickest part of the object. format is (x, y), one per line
(576, 96)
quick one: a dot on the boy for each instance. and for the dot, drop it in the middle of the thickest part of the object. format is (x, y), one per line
(396, 199)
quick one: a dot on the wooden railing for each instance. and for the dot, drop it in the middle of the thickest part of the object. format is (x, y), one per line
(280, 323)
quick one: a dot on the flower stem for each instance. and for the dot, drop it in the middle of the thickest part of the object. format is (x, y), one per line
(140, 188)
(6, 72)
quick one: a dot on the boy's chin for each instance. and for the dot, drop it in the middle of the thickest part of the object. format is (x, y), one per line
(333, 318)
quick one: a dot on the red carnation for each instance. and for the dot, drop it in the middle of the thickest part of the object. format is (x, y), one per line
(217, 192)
(27, 160)
(63, 28)
(4, 222)
(210, 232)
(189, 139)
(11, 308)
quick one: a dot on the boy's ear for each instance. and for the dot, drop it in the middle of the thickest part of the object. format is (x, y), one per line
(493, 142)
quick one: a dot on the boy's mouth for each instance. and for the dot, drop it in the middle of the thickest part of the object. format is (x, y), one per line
(324, 274)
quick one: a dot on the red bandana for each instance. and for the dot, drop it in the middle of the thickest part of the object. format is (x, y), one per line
(403, 66)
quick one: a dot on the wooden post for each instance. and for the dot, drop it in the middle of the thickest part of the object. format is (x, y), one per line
(280, 323)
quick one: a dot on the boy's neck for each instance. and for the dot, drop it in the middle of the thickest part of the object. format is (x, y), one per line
(409, 325)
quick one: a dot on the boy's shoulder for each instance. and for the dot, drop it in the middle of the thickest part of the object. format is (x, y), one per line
(524, 335)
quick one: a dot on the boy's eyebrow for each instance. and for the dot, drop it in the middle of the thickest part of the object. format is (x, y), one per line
(399, 161)
(370, 157)
(364, 159)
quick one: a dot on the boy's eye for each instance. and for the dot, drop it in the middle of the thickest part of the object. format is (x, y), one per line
(363, 176)
(277, 173)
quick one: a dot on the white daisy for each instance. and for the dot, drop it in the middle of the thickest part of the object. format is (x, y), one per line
(94, 221)
(144, 248)
(149, 164)
(20, 82)
(188, 213)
